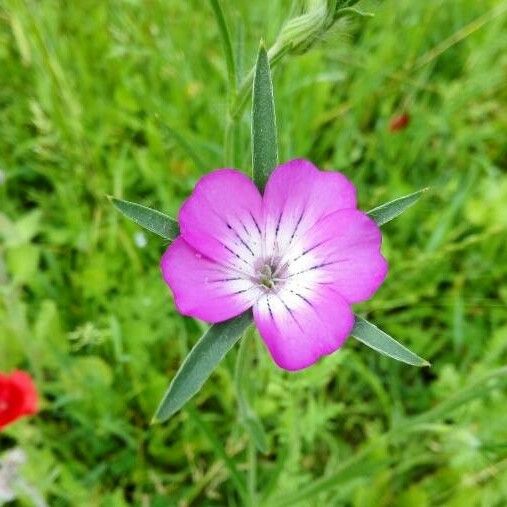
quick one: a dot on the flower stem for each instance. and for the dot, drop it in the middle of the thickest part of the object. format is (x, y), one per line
(241, 363)
(230, 141)
(296, 36)
(257, 438)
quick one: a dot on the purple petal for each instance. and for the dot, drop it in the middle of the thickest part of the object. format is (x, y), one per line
(297, 195)
(202, 288)
(221, 219)
(300, 327)
(342, 249)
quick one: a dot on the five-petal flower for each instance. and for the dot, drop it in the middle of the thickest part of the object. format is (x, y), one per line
(299, 255)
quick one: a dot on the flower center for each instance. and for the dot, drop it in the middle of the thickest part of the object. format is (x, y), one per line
(265, 277)
(269, 274)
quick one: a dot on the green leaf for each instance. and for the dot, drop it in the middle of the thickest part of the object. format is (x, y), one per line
(150, 219)
(264, 145)
(200, 363)
(375, 338)
(386, 212)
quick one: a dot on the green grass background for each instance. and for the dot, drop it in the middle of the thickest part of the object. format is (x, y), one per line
(128, 97)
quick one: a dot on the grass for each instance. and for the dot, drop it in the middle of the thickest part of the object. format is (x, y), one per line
(130, 99)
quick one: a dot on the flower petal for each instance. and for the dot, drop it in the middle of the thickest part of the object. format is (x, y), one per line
(297, 195)
(18, 397)
(25, 384)
(301, 326)
(202, 288)
(221, 219)
(342, 249)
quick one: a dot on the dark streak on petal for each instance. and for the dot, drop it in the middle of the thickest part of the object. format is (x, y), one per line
(242, 291)
(278, 225)
(256, 224)
(317, 266)
(243, 242)
(291, 313)
(216, 280)
(235, 254)
(308, 250)
(297, 225)
(225, 269)
(269, 309)
(220, 217)
(244, 227)
(306, 300)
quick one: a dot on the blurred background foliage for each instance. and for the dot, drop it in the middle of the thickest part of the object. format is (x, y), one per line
(129, 98)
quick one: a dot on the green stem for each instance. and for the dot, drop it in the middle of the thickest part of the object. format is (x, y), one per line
(247, 417)
(230, 135)
(239, 373)
(297, 35)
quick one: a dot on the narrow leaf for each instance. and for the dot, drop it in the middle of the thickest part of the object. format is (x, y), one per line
(386, 212)
(264, 144)
(150, 219)
(200, 363)
(226, 42)
(375, 338)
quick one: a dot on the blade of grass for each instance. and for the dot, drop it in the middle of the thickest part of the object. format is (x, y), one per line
(219, 450)
(497, 379)
(363, 463)
(226, 42)
(357, 466)
(448, 218)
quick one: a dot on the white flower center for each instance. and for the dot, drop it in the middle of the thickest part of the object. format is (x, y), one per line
(270, 274)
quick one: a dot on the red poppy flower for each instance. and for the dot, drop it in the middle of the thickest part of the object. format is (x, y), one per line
(399, 122)
(18, 397)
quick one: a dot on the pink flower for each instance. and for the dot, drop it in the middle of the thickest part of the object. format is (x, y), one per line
(18, 397)
(299, 255)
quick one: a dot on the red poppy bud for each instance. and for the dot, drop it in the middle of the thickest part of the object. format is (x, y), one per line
(399, 122)
(18, 397)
